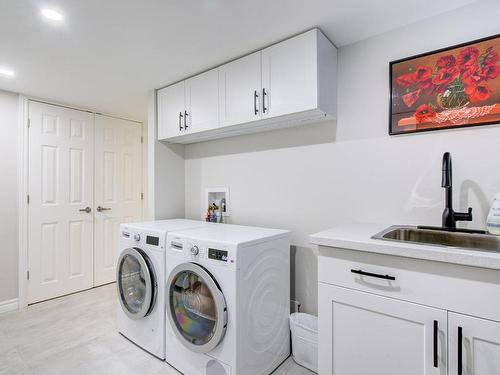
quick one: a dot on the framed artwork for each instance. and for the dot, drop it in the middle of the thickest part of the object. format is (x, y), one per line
(453, 87)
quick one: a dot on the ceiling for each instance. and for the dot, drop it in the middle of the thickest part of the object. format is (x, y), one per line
(107, 54)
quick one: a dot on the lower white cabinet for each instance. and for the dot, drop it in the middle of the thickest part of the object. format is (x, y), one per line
(362, 333)
(387, 315)
(474, 345)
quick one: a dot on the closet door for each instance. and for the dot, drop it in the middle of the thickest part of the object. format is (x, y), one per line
(118, 188)
(60, 215)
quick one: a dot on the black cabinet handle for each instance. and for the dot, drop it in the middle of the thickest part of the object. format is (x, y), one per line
(180, 121)
(436, 332)
(378, 276)
(255, 97)
(459, 364)
(264, 94)
(185, 120)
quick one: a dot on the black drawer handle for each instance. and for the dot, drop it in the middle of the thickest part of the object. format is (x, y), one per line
(435, 343)
(459, 344)
(378, 276)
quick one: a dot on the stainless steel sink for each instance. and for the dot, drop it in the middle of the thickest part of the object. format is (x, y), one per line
(427, 236)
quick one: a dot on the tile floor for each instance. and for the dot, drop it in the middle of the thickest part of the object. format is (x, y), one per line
(77, 335)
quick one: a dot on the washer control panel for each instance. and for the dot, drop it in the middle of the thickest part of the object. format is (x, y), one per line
(217, 254)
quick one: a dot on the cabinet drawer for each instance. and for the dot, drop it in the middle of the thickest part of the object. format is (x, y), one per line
(469, 290)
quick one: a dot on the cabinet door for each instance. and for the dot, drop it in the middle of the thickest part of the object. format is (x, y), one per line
(474, 345)
(240, 88)
(290, 75)
(171, 107)
(362, 333)
(202, 102)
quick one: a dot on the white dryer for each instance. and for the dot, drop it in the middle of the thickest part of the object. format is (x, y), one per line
(228, 292)
(140, 279)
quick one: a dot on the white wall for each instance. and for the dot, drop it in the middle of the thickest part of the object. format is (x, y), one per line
(165, 194)
(311, 178)
(9, 114)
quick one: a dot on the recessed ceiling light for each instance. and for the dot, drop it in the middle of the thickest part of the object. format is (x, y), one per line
(6, 72)
(52, 15)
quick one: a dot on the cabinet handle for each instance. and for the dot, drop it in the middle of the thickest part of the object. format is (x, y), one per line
(378, 276)
(185, 120)
(459, 344)
(255, 97)
(180, 121)
(264, 94)
(436, 333)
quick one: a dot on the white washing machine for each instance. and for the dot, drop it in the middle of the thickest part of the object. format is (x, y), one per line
(140, 279)
(228, 293)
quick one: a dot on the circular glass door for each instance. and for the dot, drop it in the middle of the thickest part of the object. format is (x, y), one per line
(136, 283)
(197, 309)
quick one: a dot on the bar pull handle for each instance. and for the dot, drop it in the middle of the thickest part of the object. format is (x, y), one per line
(435, 343)
(255, 108)
(459, 344)
(180, 121)
(185, 120)
(264, 94)
(378, 276)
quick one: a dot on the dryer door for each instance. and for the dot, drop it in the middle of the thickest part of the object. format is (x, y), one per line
(136, 282)
(196, 308)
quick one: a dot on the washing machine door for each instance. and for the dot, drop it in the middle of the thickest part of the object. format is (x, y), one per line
(196, 308)
(136, 282)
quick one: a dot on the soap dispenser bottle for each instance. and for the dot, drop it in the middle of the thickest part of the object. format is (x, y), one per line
(493, 220)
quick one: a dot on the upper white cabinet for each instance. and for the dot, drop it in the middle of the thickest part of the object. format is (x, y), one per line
(171, 107)
(202, 105)
(289, 76)
(289, 83)
(189, 106)
(240, 88)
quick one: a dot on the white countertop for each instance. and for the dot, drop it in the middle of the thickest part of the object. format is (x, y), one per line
(358, 237)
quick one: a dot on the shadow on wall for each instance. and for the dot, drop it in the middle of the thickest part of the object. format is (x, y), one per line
(304, 278)
(304, 135)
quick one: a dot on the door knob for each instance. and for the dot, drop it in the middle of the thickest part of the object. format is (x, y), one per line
(86, 209)
(100, 209)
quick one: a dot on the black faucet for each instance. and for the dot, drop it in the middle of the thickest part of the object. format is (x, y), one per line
(450, 217)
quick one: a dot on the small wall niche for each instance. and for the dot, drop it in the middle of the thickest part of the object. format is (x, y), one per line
(218, 196)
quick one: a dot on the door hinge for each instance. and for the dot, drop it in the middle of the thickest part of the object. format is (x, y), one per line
(27, 275)
(142, 139)
(28, 199)
(29, 123)
(142, 196)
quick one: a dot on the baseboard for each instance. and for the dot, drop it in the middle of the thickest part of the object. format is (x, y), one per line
(9, 305)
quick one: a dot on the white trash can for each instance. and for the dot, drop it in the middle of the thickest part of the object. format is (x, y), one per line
(304, 329)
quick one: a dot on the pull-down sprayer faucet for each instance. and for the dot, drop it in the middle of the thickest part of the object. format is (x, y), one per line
(450, 217)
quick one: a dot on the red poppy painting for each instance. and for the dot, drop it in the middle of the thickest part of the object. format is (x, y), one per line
(453, 87)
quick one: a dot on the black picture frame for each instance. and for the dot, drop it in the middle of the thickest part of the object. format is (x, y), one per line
(425, 54)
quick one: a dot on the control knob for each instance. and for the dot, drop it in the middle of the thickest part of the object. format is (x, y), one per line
(195, 250)
(137, 237)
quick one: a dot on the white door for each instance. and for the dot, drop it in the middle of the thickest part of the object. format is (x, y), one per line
(289, 76)
(202, 102)
(171, 107)
(474, 347)
(118, 188)
(240, 90)
(60, 214)
(362, 333)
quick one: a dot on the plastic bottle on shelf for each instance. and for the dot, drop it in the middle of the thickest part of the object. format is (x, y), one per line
(493, 220)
